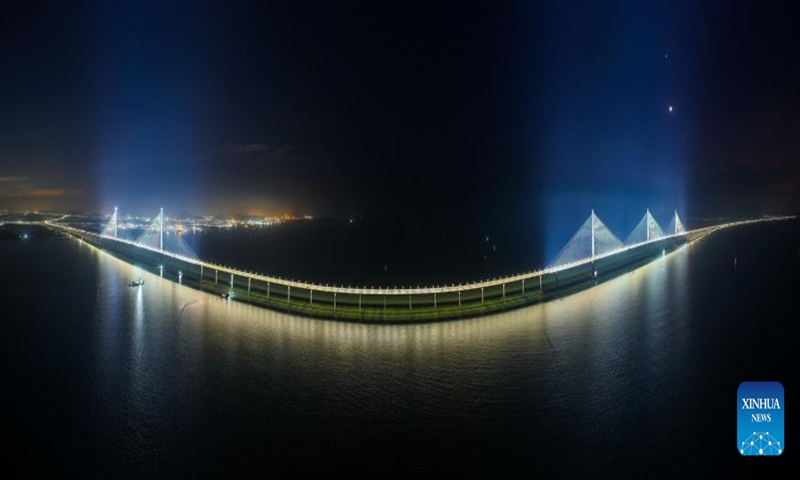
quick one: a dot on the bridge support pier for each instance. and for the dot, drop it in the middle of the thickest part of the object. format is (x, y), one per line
(249, 281)
(267, 290)
(409, 302)
(434, 300)
(504, 291)
(459, 298)
(481, 295)
(216, 277)
(288, 293)
(201, 274)
(310, 297)
(540, 284)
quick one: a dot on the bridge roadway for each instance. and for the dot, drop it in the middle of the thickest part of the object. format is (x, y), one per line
(377, 304)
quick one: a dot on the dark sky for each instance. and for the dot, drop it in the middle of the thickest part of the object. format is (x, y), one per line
(487, 111)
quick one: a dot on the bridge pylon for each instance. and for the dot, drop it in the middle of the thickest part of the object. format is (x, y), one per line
(646, 230)
(161, 229)
(675, 226)
(592, 239)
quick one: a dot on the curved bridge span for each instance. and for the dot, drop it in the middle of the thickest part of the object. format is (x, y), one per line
(375, 304)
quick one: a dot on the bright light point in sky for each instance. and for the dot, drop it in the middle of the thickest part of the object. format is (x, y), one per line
(670, 109)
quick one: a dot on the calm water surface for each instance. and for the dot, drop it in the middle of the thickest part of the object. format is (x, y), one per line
(636, 376)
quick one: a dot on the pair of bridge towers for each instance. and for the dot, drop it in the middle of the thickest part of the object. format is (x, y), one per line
(157, 236)
(592, 239)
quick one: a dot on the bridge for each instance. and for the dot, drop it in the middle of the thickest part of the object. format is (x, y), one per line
(593, 254)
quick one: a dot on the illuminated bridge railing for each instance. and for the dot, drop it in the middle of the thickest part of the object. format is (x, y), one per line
(393, 304)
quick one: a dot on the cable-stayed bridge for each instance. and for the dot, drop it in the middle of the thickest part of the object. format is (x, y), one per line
(593, 254)
(594, 239)
(160, 234)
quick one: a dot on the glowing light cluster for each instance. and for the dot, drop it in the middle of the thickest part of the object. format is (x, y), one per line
(604, 243)
(675, 226)
(110, 230)
(647, 229)
(594, 239)
(164, 236)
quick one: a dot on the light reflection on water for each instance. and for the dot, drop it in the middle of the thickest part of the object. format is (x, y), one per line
(186, 349)
(586, 321)
(169, 379)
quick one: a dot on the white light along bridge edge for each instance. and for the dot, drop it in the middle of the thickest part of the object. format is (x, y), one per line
(700, 232)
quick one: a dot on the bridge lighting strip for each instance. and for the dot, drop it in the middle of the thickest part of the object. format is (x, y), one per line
(410, 290)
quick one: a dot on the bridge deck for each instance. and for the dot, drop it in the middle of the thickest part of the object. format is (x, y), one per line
(392, 304)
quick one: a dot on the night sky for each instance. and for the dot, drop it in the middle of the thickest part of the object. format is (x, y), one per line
(487, 112)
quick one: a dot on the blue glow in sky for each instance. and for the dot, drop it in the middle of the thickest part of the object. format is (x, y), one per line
(512, 119)
(605, 136)
(149, 94)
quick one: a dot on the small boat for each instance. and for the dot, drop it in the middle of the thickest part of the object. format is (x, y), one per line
(226, 295)
(136, 283)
